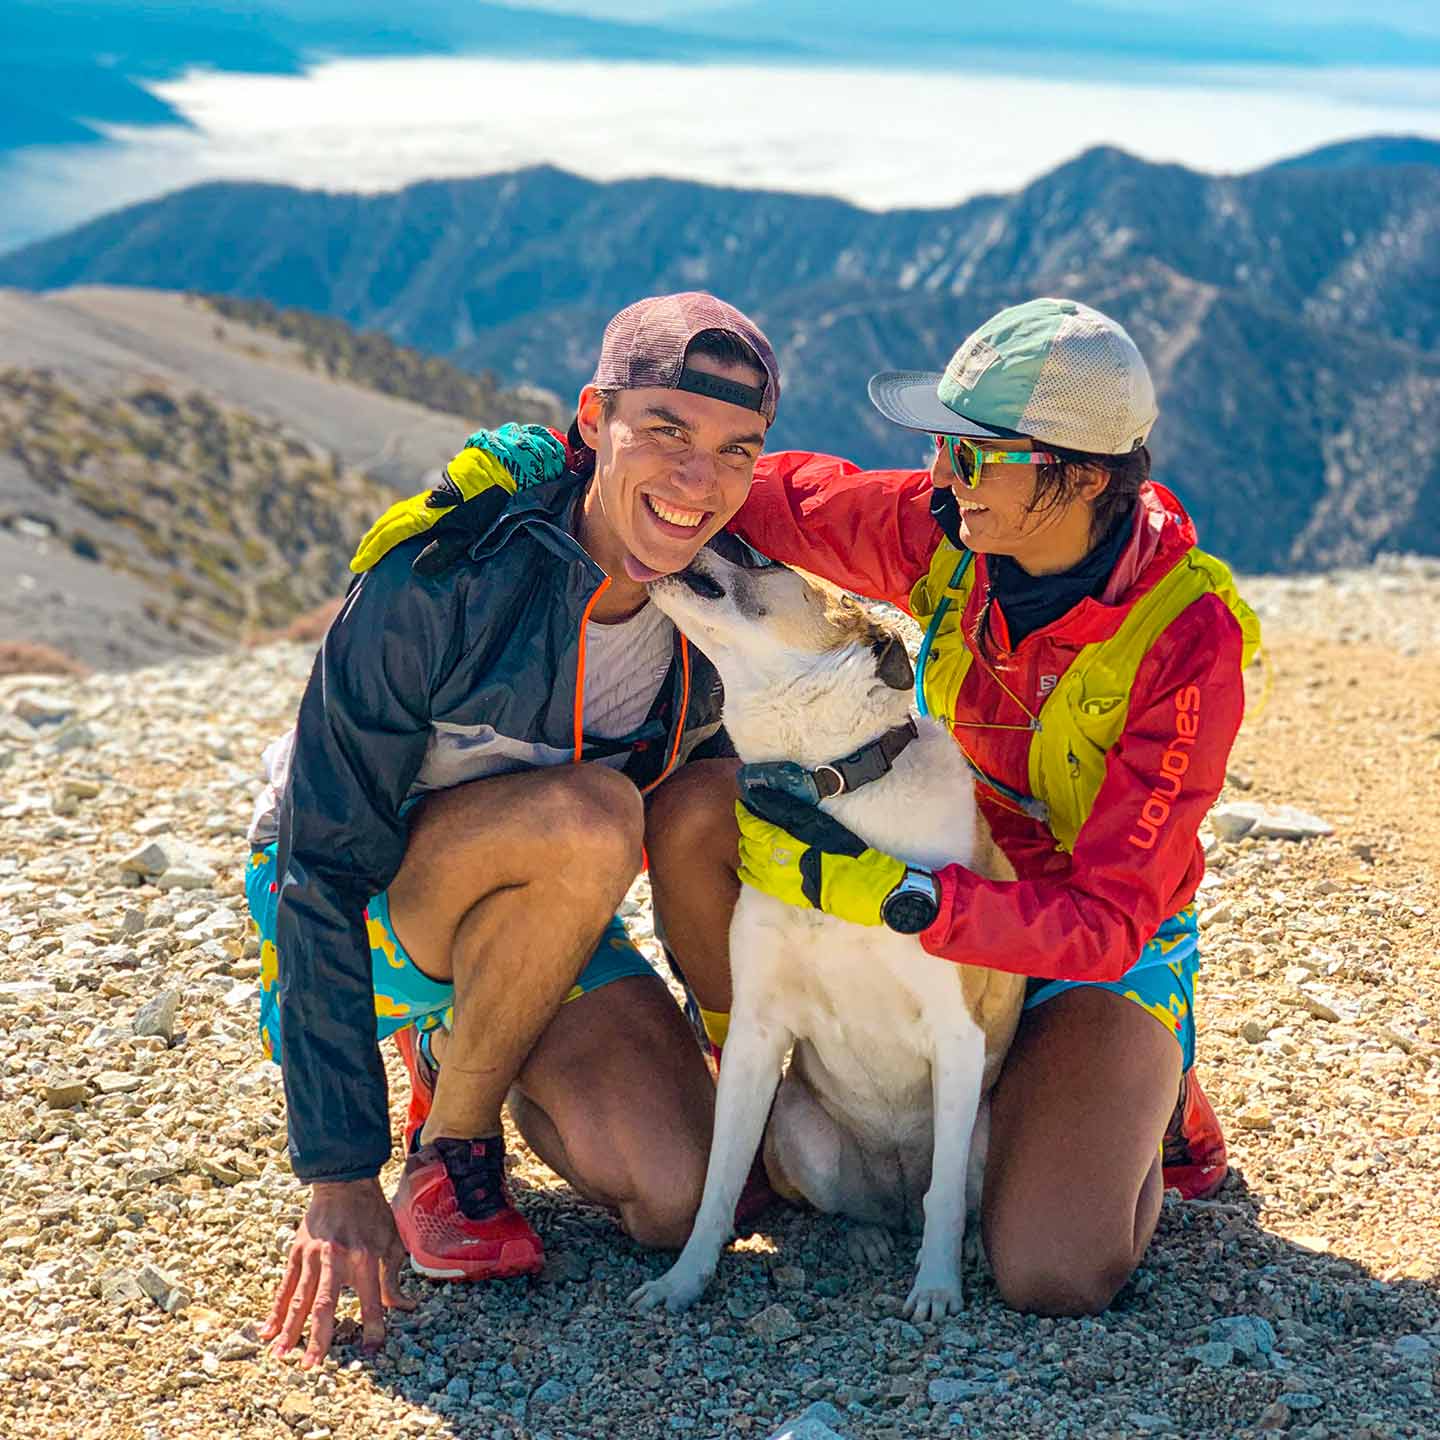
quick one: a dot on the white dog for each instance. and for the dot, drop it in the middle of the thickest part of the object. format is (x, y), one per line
(893, 1049)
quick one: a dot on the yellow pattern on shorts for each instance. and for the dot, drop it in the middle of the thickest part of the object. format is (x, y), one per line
(1169, 1013)
(385, 1007)
(380, 940)
(269, 964)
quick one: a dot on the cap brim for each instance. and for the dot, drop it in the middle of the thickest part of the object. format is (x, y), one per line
(908, 398)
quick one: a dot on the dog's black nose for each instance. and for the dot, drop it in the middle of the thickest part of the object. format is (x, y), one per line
(702, 585)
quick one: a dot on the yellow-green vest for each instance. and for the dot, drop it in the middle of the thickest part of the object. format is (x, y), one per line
(1083, 716)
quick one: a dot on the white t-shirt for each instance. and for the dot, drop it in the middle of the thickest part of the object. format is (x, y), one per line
(625, 664)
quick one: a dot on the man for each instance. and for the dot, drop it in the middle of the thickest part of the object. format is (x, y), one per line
(461, 808)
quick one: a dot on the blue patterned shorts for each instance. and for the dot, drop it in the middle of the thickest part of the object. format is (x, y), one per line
(404, 994)
(1162, 980)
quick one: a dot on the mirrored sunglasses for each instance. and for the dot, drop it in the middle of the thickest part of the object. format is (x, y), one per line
(967, 459)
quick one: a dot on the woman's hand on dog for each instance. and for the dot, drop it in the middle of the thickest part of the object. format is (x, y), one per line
(348, 1237)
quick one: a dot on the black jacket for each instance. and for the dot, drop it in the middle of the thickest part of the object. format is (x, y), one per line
(426, 681)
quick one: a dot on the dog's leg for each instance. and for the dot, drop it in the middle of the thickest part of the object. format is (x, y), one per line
(749, 1074)
(956, 1076)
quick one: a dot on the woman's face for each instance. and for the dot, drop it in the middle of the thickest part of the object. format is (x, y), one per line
(996, 517)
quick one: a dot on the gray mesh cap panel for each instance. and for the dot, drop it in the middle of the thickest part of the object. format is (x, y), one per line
(1094, 391)
(645, 343)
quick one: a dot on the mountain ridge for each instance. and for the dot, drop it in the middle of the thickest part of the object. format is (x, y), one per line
(1284, 308)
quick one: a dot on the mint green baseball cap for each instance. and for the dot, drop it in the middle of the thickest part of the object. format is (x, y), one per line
(1049, 370)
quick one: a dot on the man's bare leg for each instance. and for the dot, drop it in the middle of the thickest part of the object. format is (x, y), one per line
(506, 886)
(693, 842)
(617, 1100)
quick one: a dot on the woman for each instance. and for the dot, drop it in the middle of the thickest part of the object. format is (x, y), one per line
(1088, 659)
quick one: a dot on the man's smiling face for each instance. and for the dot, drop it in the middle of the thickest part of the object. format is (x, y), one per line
(671, 468)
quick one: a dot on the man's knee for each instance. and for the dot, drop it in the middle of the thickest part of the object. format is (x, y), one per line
(593, 819)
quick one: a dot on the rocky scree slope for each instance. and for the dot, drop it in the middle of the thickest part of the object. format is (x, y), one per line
(146, 1204)
(172, 480)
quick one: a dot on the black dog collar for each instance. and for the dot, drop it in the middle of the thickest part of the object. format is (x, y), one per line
(838, 777)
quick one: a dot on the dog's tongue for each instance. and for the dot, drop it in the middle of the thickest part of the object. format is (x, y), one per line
(641, 574)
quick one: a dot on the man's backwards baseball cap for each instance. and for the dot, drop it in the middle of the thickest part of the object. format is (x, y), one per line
(1051, 370)
(645, 345)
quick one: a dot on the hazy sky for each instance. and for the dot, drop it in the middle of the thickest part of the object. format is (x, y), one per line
(1420, 16)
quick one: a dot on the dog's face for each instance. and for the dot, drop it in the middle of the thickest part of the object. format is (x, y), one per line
(768, 628)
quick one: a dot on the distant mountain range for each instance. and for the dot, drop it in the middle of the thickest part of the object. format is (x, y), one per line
(69, 68)
(1291, 316)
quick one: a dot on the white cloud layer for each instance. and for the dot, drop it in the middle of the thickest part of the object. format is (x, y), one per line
(880, 138)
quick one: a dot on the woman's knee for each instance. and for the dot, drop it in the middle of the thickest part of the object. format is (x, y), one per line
(1058, 1274)
(693, 815)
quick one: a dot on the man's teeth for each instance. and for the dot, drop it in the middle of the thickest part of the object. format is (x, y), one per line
(687, 518)
(970, 505)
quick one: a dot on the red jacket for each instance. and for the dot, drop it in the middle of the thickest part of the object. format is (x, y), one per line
(1085, 915)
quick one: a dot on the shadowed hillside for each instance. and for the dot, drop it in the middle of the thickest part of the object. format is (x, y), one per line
(1287, 313)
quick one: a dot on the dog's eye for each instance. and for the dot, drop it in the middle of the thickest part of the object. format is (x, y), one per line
(739, 552)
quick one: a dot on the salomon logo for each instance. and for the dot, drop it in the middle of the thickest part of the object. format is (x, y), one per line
(1155, 812)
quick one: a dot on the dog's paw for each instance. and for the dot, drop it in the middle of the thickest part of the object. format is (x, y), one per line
(870, 1245)
(934, 1302)
(673, 1290)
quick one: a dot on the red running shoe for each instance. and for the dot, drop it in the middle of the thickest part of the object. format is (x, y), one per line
(422, 1072)
(455, 1216)
(1193, 1151)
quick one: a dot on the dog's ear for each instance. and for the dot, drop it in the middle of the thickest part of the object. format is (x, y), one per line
(892, 663)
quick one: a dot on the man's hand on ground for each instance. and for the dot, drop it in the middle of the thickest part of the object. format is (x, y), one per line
(347, 1237)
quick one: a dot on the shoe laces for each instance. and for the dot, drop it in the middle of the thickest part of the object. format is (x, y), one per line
(477, 1171)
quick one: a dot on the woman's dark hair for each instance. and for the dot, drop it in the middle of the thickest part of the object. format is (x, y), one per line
(718, 345)
(1056, 484)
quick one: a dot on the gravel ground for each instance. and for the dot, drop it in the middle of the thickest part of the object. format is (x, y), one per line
(146, 1203)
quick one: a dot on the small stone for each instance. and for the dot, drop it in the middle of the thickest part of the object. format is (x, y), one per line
(1256, 1117)
(1233, 822)
(163, 1288)
(775, 1324)
(1300, 1400)
(297, 1410)
(788, 1277)
(458, 1389)
(550, 1392)
(157, 1016)
(1254, 1031)
(38, 710)
(1286, 822)
(62, 1094)
(1414, 1349)
(148, 860)
(242, 1345)
(1150, 1424)
(951, 1392)
(1214, 1354)
(1248, 1335)
(220, 1171)
(1317, 1005)
(117, 1082)
(1274, 1417)
(119, 1287)
(807, 1427)
(151, 825)
(569, 1267)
